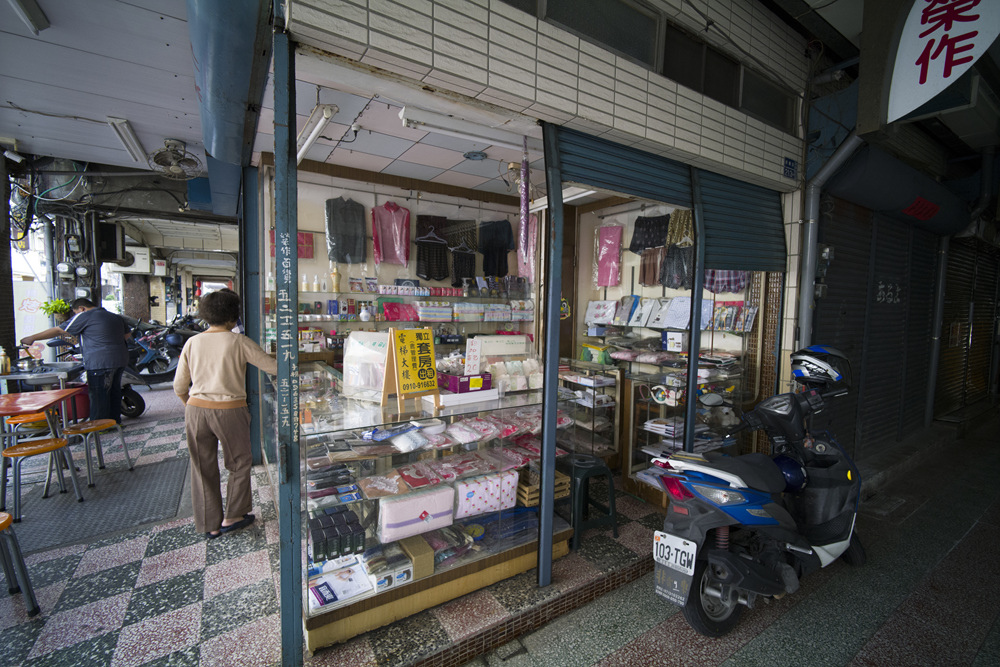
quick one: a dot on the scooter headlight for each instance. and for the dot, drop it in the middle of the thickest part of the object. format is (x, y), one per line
(718, 496)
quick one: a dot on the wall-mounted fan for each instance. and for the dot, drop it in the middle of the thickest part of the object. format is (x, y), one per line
(174, 161)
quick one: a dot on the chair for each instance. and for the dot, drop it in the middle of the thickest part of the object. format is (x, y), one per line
(92, 430)
(16, 454)
(581, 468)
(13, 565)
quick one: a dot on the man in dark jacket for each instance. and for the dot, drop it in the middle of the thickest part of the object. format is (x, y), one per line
(103, 336)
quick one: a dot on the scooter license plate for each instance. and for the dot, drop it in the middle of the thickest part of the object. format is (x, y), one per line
(674, 557)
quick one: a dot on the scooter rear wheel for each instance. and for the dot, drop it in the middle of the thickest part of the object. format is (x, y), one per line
(132, 403)
(709, 614)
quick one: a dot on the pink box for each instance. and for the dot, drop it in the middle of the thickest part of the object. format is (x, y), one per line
(460, 384)
(488, 493)
(400, 517)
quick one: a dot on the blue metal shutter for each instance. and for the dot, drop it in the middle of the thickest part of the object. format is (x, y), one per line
(743, 225)
(958, 293)
(598, 162)
(743, 222)
(984, 294)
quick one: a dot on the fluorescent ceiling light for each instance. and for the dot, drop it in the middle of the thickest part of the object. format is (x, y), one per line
(418, 119)
(32, 15)
(126, 135)
(568, 195)
(314, 127)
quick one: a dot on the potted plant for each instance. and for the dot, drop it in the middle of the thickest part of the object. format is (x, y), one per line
(57, 308)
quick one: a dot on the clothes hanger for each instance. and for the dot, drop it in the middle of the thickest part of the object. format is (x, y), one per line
(431, 236)
(461, 247)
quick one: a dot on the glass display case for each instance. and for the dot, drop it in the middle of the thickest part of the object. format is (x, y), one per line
(591, 394)
(404, 509)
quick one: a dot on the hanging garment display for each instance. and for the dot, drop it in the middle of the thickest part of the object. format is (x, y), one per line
(677, 267)
(391, 234)
(432, 255)
(496, 239)
(680, 231)
(649, 233)
(463, 263)
(607, 254)
(649, 266)
(345, 231)
(718, 281)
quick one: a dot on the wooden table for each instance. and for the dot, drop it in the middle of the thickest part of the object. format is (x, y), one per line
(47, 402)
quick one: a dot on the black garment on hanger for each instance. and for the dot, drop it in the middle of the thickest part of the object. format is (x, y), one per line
(463, 265)
(345, 231)
(649, 233)
(677, 268)
(496, 239)
(432, 260)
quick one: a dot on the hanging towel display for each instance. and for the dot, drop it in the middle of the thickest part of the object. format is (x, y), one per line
(608, 263)
(496, 239)
(391, 234)
(345, 231)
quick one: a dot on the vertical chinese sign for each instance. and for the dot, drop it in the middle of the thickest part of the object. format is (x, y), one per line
(413, 352)
(941, 39)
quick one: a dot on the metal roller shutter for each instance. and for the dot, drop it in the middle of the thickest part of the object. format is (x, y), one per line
(743, 228)
(883, 372)
(742, 222)
(920, 317)
(839, 318)
(950, 392)
(977, 380)
(605, 164)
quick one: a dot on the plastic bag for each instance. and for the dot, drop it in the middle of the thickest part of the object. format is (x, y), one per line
(391, 234)
(345, 231)
(608, 255)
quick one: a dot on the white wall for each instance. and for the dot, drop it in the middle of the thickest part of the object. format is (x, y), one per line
(488, 51)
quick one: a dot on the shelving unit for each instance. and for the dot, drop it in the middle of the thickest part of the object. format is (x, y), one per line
(596, 409)
(401, 521)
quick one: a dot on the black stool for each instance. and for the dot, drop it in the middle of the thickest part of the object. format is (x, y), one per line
(581, 467)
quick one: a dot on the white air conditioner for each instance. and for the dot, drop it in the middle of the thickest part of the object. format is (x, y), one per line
(136, 261)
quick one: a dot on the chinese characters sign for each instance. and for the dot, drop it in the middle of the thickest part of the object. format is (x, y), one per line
(940, 41)
(415, 370)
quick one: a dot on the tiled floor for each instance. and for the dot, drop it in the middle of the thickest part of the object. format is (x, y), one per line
(163, 595)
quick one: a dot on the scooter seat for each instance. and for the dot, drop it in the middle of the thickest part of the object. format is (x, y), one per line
(757, 470)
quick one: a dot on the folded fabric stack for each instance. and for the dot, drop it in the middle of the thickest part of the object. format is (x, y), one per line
(434, 311)
(467, 311)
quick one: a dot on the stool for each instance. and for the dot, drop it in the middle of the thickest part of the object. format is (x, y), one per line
(13, 565)
(581, 468)
(16, 454)
(94, 428)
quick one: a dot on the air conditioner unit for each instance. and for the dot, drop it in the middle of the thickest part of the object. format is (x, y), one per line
(136, 260)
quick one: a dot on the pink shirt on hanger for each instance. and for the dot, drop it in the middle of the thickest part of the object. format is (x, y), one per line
(391, 234)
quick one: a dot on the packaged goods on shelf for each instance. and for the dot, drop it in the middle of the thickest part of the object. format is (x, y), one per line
(468, 311)
(415, 513)
(434, 311)
(497, 312)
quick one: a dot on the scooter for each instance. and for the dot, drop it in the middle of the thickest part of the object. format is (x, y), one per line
(740, 529)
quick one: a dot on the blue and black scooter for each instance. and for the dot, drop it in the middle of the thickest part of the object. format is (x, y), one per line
(744, 528)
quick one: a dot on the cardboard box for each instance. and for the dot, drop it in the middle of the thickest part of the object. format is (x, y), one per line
(421, 555)
(675, 341)
(461, 384)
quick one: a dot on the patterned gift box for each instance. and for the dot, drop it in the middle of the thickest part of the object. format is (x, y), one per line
(486, 493)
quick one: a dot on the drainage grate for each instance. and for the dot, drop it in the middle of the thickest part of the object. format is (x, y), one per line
(882, 505)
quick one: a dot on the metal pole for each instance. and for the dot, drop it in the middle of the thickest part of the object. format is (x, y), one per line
(250, 236)
(697, 287)
(810, 235)
(553, 296)
(286, 306)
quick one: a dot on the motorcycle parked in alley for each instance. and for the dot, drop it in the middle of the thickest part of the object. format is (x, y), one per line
(740, 529)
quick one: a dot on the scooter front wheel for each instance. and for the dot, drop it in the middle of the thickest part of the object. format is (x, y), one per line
(132, 404)
(855, 555)
(707, 610)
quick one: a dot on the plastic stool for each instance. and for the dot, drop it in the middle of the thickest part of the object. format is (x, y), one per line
(13, 564)
(581, 468)
(88, 429)
(22, 450)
